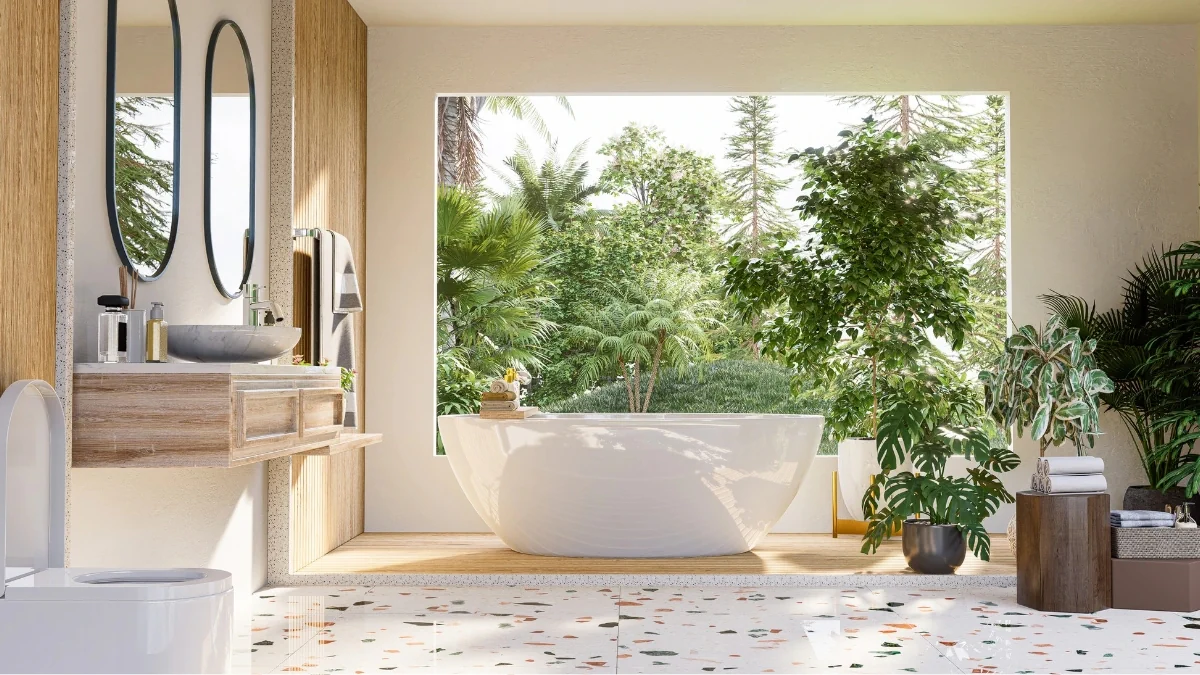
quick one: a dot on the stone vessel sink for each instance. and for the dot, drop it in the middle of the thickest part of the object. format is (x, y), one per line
(230, 344)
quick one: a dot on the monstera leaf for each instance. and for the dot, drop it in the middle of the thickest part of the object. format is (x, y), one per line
(901, 427)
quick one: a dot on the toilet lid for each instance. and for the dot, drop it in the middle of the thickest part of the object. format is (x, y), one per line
(119, 584)
(33, 455)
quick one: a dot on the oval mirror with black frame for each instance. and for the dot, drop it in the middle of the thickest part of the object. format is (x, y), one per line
(142, 155)
(229, 140)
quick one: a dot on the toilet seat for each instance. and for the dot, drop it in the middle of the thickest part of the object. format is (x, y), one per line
(119, 584)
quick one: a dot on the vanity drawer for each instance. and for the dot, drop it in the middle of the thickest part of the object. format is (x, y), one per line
(321, 413)
(266, 419)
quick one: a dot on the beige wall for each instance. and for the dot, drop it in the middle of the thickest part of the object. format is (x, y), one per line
(144, 64)
(1104, 140)
(166, 517)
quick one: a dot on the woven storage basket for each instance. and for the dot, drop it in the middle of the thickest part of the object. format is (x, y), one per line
(1155, 542)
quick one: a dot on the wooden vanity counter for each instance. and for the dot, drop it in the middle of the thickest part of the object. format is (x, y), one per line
(204, 415)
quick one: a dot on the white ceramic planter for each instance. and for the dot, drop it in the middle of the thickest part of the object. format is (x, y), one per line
(857, 462)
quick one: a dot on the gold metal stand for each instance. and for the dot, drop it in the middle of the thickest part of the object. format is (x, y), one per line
(847, 525)
(844, 525)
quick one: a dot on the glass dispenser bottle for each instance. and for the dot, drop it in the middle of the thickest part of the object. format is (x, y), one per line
(111, 329)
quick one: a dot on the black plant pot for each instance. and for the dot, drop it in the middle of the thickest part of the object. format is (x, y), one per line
(1146, 498)
(933, 549)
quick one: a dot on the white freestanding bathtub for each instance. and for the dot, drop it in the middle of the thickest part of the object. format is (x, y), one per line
(626, 485)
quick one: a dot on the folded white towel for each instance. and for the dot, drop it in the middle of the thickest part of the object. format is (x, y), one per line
(1065, 484)
(498, 387)
(1054, 466)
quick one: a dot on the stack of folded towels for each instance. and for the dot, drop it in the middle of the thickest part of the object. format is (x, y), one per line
(501, 396)
(1066, 475)
(1141, 519)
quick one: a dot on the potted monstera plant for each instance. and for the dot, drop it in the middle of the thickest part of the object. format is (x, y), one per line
(930, 416)
(858, 301)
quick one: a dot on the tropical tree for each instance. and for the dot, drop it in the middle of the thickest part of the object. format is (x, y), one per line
(642, 331)
(490, 293)
(986, 255)
(753, 180)
(460, 137)
(676, 194)
(862, 298)
(552, 190)
(142, 184)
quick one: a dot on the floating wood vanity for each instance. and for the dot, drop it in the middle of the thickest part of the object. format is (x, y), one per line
(149, 415)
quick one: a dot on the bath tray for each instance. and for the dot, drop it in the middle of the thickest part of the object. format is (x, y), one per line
(1155, 542)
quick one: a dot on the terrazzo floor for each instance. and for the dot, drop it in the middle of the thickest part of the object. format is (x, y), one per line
(698, 630)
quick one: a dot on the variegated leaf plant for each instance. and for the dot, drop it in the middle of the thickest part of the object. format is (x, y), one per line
(1047, 382)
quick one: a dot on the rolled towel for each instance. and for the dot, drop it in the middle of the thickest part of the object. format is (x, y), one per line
(498, 405)
(1066, 484)
(1056, 466)
(498, 396)
(498, 387)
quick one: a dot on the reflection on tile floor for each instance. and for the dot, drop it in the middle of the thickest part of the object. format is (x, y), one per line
(698, 630)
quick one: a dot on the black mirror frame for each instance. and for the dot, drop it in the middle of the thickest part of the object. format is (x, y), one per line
(110, 176)
(208, 240)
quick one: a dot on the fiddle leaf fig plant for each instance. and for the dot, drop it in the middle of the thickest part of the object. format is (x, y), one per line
(861, 297)
(1047, 382)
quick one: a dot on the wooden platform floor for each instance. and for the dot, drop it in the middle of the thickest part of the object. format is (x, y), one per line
(782, 554)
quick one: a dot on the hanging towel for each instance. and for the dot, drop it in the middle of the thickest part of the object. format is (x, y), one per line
(1061, 484)
(1053, 466)
(337, 299)
(346, 298)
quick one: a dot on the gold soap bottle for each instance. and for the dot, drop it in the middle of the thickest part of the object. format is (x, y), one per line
(156, 334)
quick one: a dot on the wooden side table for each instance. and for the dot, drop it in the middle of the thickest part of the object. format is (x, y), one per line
(1063, 559)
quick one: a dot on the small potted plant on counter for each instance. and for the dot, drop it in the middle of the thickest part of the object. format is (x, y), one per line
(858, 301)
(931, 416)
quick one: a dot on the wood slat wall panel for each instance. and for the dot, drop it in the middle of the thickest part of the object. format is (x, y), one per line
(329, 191)
(327, 503)
(28, 188)
(330, 142)
(303, 249)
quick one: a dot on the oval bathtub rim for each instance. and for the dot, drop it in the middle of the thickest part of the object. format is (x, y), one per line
(642, 417)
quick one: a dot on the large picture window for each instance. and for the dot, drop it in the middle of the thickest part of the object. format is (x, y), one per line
(592, 242)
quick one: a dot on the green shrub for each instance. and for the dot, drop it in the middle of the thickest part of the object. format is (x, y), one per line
(728, 386)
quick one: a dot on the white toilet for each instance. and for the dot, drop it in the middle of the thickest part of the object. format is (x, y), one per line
(62, 620)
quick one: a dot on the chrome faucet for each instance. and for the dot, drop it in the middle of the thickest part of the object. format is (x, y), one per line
(252, 305)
